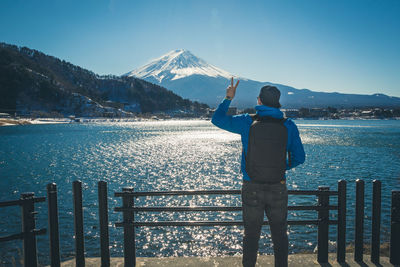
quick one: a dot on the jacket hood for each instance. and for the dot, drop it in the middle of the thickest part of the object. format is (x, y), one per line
(263, 110)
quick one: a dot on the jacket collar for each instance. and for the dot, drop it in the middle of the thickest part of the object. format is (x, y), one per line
(262, 111)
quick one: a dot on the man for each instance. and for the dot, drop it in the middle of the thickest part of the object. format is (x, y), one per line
(266, 139)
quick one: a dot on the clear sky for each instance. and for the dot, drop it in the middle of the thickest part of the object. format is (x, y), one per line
(349, 46)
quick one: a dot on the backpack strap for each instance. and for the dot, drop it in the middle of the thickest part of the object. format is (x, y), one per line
(256, 117)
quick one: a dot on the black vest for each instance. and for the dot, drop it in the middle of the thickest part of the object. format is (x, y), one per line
(266, 151)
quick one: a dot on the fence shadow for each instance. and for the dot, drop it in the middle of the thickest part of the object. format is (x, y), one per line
(360, 263)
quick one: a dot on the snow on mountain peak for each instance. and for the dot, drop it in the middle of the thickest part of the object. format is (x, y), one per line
(175, 65)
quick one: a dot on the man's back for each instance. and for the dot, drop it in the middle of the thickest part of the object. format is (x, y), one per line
(266, 152)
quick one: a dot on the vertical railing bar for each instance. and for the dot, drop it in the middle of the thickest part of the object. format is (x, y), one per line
(78, 223)
(376, 221)
(395, 229)
(103, 220)
(28, 225)
(323, 226)
(129, 230)
(359, 231)
(341, 227)
(54, 239)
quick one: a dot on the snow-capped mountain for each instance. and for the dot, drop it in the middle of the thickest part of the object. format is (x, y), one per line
(176, 65)
(191, 77)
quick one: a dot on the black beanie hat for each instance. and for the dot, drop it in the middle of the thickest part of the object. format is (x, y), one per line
(269, 96)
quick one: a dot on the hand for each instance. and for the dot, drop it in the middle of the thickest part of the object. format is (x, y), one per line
(231, 90)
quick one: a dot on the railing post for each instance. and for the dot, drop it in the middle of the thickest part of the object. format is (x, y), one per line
(78, 223)
(359, 231)
(341, 228)
(323, 226)
(395, 229)
(28, 225)
(129, 230)
(103, 220)
(376, 221)
(54, 238)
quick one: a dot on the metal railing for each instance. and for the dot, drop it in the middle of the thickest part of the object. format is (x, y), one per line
(129, 223)
(29, 231)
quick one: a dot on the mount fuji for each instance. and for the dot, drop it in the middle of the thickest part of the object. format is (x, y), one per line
(195, 79)
(187, 76)
(176, 65)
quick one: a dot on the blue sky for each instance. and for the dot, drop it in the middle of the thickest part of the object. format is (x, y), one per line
(344, 46)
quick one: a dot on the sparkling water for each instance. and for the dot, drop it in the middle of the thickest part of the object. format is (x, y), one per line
(184, 155)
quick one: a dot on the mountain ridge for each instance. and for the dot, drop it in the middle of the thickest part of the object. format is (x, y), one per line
(203, 85)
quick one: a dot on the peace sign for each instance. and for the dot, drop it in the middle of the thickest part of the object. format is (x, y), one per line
(231, 90)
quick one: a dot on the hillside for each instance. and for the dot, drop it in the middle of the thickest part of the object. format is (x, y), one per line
(33, 81)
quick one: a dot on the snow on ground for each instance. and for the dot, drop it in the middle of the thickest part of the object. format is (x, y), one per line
(49, 120)
(11, 122)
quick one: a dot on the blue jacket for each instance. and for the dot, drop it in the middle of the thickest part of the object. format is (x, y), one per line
(240, 124)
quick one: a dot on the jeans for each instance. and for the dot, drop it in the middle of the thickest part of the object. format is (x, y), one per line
(273, 199)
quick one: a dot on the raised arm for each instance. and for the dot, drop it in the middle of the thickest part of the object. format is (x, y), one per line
(232, 124)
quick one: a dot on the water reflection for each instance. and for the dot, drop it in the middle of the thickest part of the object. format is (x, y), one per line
(184, 155)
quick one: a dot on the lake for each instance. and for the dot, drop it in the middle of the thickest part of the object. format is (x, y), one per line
(183, 155)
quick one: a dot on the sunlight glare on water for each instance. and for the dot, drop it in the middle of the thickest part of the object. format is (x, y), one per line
(184, 155)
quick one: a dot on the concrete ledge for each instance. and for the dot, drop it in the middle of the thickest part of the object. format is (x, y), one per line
(295, 260)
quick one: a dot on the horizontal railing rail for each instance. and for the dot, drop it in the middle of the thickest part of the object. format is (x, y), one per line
(20, 202)
(212, 208)
(214, 192)
(213, 223)
(22, 235)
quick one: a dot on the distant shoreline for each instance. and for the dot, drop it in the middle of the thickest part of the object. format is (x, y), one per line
(13, 122)
(30, 121)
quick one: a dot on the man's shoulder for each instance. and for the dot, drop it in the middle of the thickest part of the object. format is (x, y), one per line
(290, 125)
(289, 121)
(246, 117)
